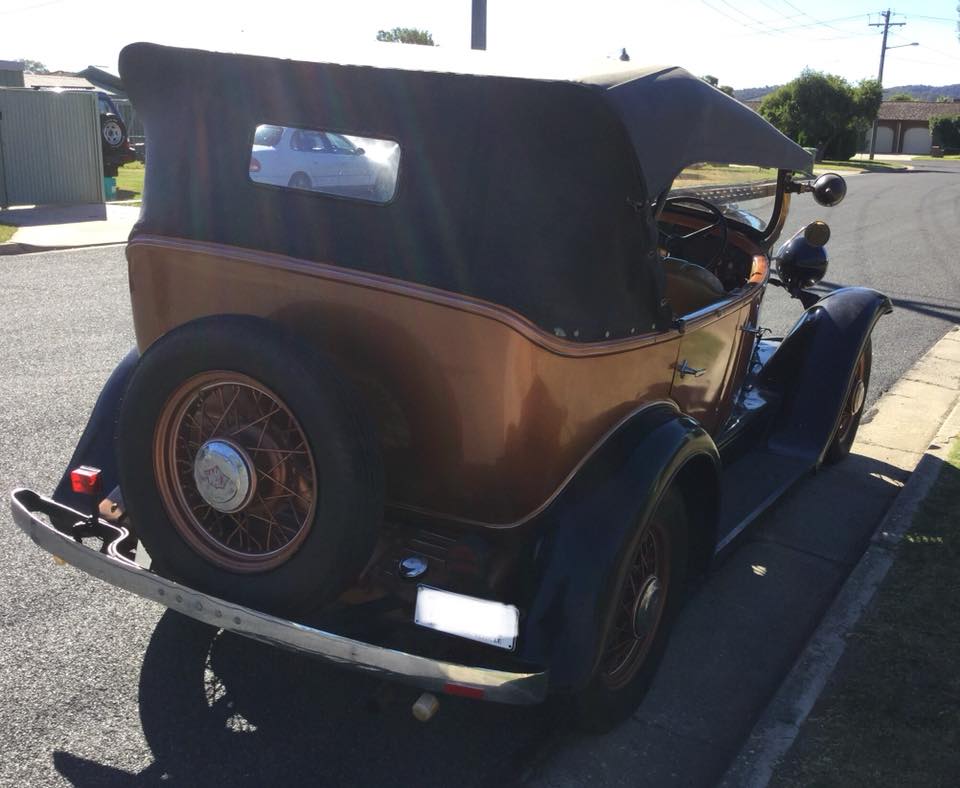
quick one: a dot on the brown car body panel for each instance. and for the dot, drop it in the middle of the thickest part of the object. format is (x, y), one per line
(482, 415)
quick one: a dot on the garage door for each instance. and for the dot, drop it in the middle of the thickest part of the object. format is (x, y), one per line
(916, 140)
(884, 140)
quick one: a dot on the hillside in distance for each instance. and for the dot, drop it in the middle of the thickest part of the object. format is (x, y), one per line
(919, 92)
(925, 92)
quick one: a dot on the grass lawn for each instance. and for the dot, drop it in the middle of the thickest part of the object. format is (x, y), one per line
(950, 157)
(721, 175)
(6, 232)
(130, 181)
(891, 713)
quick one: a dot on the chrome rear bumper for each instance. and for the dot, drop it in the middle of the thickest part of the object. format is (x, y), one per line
(113, 567)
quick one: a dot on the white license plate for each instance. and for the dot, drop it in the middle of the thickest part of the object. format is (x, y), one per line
(468, 617)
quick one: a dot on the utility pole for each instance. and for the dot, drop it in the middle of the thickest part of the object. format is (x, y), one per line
(478, 25)
(887, 24)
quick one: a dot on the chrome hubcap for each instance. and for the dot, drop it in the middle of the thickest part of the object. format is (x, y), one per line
(648, 608)
(859, 395)
(224, 475)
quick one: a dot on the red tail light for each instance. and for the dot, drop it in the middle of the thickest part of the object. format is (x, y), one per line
(463, 691)
(85, 480)
(254, 165)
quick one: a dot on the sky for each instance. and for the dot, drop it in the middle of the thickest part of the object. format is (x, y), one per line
(744, 43)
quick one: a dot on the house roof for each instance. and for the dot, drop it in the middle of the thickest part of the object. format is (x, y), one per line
(916, 110)
(103, 78)
(57, 81)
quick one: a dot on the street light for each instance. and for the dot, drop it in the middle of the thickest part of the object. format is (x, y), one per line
(886, 24)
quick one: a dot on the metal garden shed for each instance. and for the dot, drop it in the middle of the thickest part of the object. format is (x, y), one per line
(50, 149)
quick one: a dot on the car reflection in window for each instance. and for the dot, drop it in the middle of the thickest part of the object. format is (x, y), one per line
(317, 160)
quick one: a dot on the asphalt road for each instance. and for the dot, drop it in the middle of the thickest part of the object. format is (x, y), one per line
(97, 687)
(900, 234)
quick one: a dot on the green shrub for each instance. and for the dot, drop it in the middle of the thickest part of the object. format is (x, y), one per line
(945, 130)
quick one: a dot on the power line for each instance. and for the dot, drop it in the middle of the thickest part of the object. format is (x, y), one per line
(944, 54)
(934, 18)
(33, 7)
(825, 24)
(731, 18)
(753, 19)
(769, 30)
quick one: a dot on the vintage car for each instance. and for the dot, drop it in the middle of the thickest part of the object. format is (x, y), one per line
(476, 430)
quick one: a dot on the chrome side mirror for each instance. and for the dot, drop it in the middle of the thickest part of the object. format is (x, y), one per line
(829, 189)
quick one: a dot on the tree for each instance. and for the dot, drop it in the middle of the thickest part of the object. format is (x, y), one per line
(709, 78)
(945, 131)
(901, 97)
(33, 66)
(406, 35)
(944, 100)
(824, 111)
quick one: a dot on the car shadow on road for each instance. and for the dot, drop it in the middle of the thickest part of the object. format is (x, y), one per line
(219, 709)
(949, 312)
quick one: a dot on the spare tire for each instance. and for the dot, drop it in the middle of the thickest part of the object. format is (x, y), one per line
(248, 467)
(113, 131)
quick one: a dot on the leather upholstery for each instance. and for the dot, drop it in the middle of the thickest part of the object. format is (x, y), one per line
(689, 286)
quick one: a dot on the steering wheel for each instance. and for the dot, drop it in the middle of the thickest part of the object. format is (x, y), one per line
(674, 243)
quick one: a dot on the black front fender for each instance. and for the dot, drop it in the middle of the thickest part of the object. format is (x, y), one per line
(583, 534)
(95, 446)
(812, 370)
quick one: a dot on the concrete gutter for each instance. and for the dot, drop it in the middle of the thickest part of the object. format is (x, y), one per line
(912, 428)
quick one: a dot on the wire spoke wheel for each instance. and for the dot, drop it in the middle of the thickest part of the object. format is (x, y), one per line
(235, 471)
(639, 608)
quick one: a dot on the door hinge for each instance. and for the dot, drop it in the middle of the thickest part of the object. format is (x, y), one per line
(756, 331)
(685, 369)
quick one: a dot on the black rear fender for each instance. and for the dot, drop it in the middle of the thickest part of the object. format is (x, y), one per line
(583, 534)
(95, 446)
(813, 369)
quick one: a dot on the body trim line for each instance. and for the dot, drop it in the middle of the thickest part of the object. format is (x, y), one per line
(491, 311)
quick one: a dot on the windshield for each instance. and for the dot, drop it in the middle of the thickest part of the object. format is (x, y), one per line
(744, 193)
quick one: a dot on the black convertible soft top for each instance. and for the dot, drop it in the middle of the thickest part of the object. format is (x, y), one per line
(532, 193)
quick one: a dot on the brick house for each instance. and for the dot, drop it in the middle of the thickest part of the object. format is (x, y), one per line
(904, 126)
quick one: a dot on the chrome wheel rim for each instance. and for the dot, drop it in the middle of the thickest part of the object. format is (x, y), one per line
(855, 400)
(113, 133)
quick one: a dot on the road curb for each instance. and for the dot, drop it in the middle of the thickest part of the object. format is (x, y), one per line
(14, 248)
(11, 248)
(776, 730)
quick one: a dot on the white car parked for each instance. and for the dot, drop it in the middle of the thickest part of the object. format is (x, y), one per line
(324, 161)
